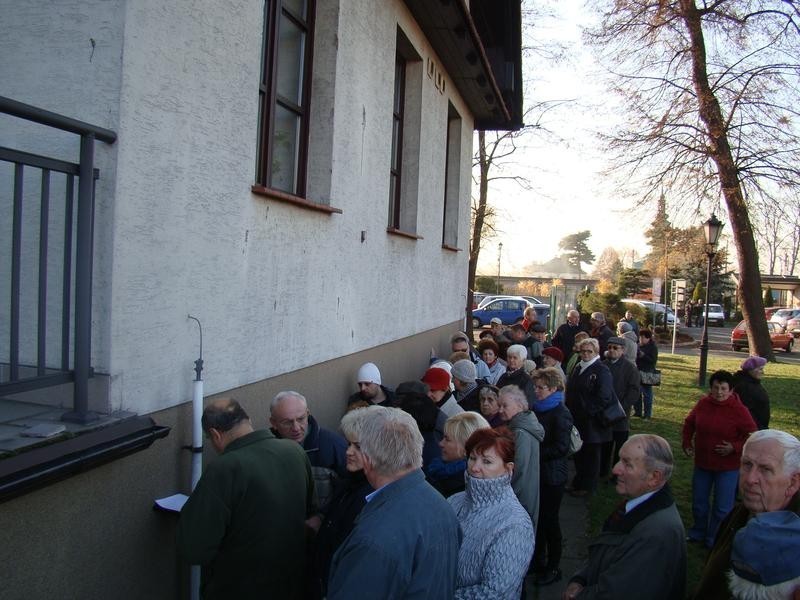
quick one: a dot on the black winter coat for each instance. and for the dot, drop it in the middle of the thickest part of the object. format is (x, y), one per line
(588, 393)
(522, 381)
(553, 449)
(753, 396)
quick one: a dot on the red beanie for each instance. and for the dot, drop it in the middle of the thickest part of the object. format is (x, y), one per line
(554, 352)
(437, 379)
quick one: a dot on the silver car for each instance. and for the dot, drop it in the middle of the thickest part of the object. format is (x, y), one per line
(782, 316)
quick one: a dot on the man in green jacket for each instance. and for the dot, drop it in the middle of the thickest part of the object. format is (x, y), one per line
(245, 521)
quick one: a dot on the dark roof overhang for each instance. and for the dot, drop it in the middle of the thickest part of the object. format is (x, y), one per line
(480, 47)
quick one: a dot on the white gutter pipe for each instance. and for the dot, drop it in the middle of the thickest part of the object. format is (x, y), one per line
(197, 449)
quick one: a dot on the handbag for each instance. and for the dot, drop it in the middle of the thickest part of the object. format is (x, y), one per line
(651, 377)
(611, 414)
(575, 441)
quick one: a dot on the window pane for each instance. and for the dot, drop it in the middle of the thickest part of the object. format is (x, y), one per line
(291, 47)
(284, 150)
(395, 149)
(298, 7)
(392, 197)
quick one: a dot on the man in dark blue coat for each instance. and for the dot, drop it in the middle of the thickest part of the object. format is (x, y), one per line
(290, 419)
(406, 539)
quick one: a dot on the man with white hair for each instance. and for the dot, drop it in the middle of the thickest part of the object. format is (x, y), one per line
(370, 388)
(405, 543)
(291, 419)
(769, 480)
(641, 551)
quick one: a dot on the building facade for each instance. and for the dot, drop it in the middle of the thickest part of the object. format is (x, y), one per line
(293, 174)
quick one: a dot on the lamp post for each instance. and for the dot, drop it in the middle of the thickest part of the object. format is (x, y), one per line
(499, 255)
(711, 228)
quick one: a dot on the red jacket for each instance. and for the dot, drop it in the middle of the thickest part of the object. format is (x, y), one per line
(711, 423)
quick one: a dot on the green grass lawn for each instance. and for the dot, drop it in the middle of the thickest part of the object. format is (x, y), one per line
(672, 402)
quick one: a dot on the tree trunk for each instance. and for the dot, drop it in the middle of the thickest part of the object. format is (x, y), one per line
(477, 225)
(720, 152)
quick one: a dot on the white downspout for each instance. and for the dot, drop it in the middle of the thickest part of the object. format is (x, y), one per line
(197, 449)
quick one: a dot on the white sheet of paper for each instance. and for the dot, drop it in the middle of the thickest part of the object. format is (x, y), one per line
(172, 503)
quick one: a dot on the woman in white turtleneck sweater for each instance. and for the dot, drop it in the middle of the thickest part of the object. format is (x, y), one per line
(498, 534)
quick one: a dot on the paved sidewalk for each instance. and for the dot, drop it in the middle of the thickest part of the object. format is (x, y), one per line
(574, 522)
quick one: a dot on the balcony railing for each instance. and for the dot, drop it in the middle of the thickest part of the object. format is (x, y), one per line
(47, 262)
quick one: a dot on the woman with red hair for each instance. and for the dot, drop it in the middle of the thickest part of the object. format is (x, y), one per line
(498, 534)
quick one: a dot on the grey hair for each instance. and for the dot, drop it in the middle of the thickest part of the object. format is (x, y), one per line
(788, 443)
(514, 393)
(281, 396)
(742, 589)
(598, 316)
(351, 422)
(459, 427)
(518, 350)
(573, 312)
(391, 440)
(590, 342)
(657, 453)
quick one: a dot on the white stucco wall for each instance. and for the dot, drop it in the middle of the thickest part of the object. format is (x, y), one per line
(277, 287)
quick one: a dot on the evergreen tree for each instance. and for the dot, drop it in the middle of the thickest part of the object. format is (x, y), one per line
(575, 249)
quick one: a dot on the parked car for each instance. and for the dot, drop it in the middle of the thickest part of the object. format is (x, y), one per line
(509, 310)
(780, 340)
(783, 315)
(793, 326)
(489, 298)
(768, 312)
(657, 308)
(716, 316)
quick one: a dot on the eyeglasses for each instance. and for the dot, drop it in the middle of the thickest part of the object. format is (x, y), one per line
(288, 423)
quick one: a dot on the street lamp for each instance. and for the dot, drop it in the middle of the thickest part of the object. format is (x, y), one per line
(499, 255)
(711, 228)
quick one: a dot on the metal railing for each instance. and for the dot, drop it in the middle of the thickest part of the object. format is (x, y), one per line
(76, 275)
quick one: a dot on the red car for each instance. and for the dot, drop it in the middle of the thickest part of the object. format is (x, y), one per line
(780, 340)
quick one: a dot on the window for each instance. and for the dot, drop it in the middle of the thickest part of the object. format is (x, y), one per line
(395, 169)
(406, 120)
(452, 179)
(284, 95)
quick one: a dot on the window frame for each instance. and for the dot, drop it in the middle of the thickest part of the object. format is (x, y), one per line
(396, 160)
(275, 12)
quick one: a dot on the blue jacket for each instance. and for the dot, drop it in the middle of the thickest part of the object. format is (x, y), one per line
(405, 545)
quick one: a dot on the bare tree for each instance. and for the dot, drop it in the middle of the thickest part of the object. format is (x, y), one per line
(711, 91)
(771, 230)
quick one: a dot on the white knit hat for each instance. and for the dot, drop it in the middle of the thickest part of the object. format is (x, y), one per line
(369, 373)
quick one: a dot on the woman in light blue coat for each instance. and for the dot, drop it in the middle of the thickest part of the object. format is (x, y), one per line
(498, 534)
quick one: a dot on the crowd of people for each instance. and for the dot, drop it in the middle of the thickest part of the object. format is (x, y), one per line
(450, 485)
